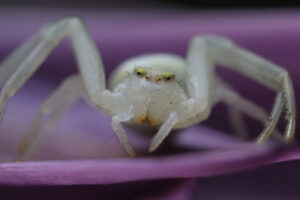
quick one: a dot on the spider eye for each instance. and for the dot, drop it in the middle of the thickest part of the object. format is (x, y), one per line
(140, 71)
(168, 76)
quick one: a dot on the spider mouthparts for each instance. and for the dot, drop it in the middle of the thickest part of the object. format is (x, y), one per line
(147, 119)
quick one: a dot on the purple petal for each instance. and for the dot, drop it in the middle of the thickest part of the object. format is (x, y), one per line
(276, 182)
(126, 169)
(152, 190)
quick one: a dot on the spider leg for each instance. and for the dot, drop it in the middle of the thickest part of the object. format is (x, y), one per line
(237, 106)
(13, 61)
(227, 54)
(54, 107)
(164, 131)
(118, 129)
(237, 122)
(19, 67)
(273, 120)
(199, 85)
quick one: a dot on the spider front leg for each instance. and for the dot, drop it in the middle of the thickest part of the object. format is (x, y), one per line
(164, 131)
(199, 84)
(19, 67)
(224, 52)
(118, 129)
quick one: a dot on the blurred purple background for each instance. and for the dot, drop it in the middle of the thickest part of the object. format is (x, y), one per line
(150, 27)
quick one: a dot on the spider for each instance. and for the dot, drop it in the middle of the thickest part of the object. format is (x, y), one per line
(161, 90)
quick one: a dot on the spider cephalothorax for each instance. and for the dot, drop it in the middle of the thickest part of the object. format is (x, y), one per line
(153, 91)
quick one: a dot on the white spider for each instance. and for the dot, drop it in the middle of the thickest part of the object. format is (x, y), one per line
(162, 90)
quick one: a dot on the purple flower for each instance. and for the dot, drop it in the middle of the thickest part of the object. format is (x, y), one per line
(83, 150)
